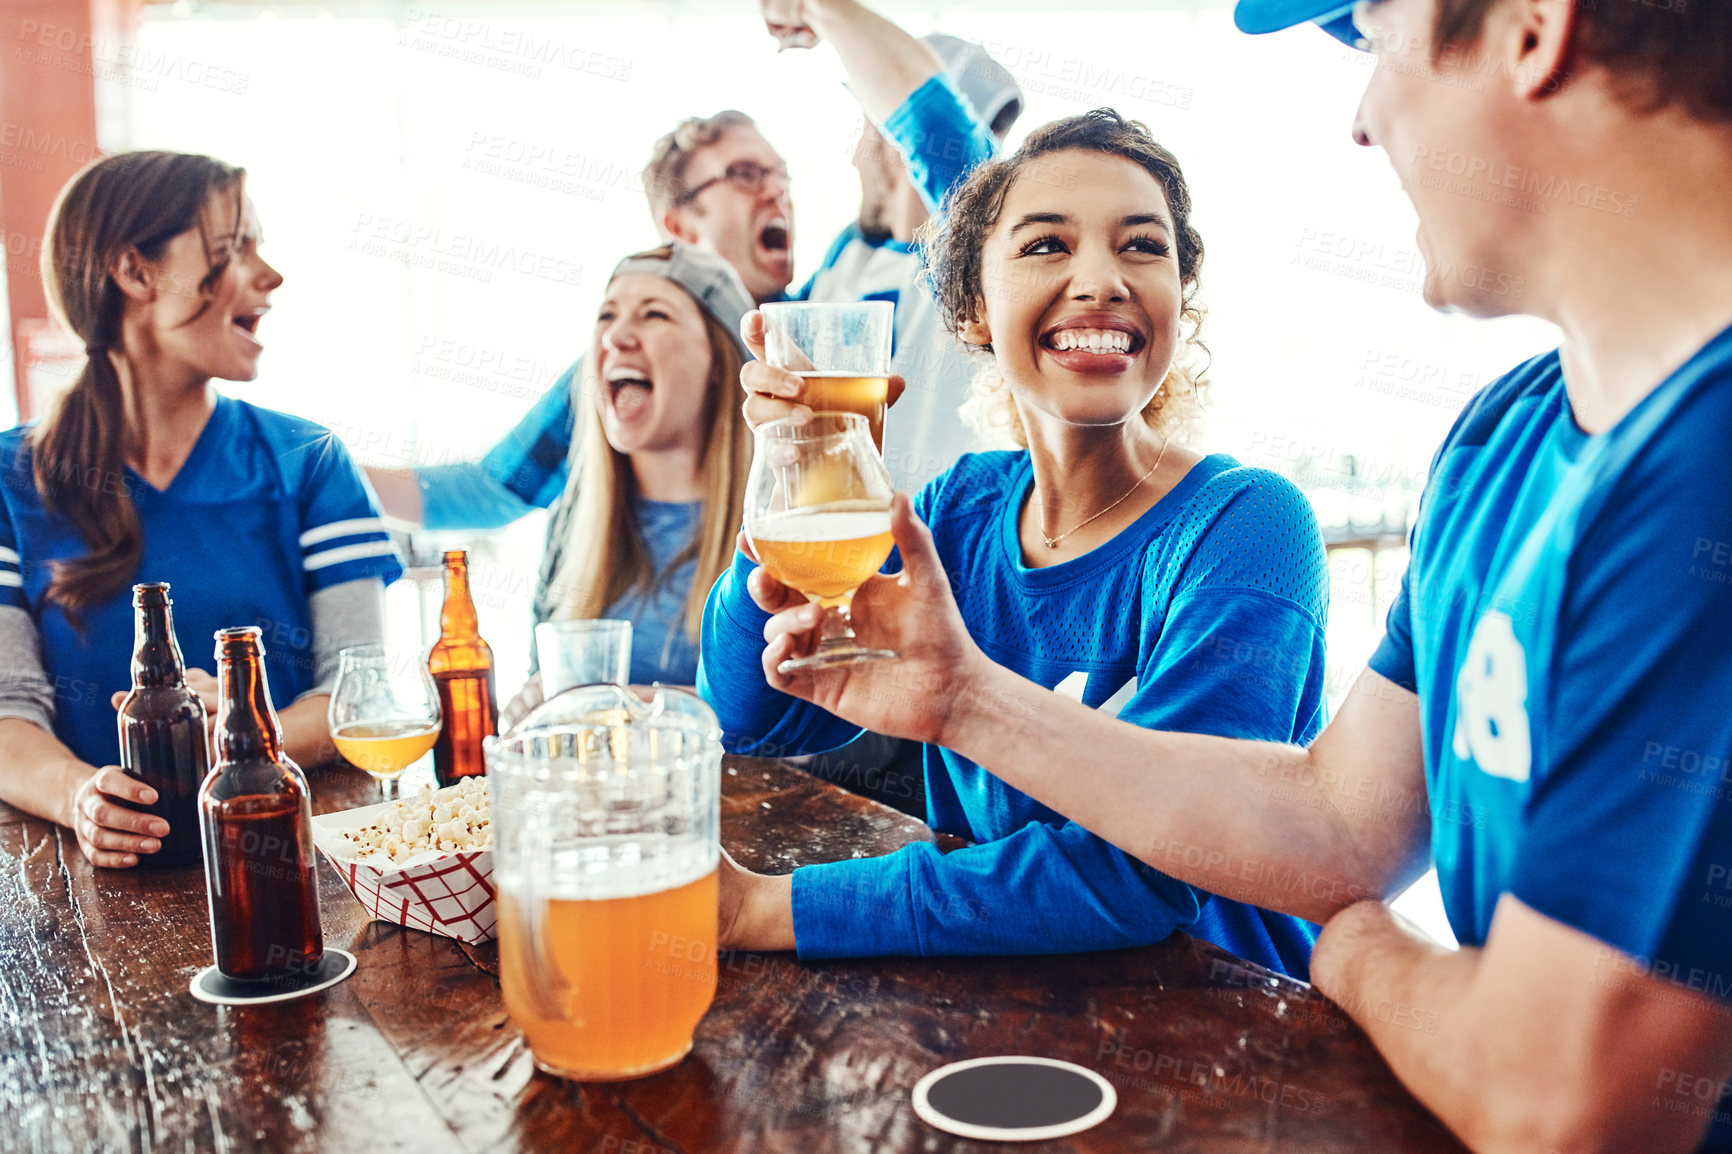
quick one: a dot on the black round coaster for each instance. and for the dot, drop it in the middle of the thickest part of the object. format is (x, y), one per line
(209, 984)
(1014, 1099)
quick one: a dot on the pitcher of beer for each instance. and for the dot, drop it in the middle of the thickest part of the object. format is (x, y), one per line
(605, 819)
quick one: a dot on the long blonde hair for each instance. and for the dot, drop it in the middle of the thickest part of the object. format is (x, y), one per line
(604, 553)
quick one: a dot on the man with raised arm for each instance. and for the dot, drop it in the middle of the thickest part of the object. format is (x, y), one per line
(1548, 717)
(716, 183)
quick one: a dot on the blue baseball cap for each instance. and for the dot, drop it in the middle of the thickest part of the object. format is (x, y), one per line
(1334, 17)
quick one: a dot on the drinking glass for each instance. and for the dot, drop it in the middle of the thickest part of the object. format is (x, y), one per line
(841, 349)
(583, 653)
(818, 516)
(384, 712)
(605, 828)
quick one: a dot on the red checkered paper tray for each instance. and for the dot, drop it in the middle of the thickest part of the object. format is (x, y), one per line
(449, 893)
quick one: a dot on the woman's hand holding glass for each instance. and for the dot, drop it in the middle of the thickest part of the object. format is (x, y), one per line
(773, 394)
(912, 612)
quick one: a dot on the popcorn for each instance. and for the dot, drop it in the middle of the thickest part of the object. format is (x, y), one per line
(450, 820)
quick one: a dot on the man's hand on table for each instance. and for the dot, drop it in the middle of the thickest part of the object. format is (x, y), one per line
(912, 612)
(757, 910)
(1545, 1038)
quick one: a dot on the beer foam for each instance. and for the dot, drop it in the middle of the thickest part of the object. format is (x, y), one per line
(843, 521)
(624, 866)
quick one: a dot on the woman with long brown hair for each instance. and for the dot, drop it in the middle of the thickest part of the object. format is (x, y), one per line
(144, 472)
(647, 524)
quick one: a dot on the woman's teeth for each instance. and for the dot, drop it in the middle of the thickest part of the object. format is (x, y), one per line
(1093, 340)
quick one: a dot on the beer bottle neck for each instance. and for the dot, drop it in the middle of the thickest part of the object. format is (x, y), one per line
(156, 659)
(457, 620)
(246, 725)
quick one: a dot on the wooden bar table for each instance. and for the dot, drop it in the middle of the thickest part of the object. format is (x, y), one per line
(102, 1048)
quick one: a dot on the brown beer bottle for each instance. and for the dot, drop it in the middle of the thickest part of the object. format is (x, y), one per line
(462, 667)
(256, 816)
(162, 728)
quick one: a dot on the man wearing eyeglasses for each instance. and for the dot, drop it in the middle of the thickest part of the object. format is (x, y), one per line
(716, 183)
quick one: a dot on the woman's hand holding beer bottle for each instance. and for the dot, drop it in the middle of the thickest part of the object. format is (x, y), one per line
(773, 393)
(109, 833)
(912, 612)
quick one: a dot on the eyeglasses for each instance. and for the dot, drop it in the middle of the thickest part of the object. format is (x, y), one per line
(746, 175)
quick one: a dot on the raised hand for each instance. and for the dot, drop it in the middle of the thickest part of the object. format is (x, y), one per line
(771, 393)
(786, 22)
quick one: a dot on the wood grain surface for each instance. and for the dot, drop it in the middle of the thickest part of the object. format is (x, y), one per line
(102, 1048)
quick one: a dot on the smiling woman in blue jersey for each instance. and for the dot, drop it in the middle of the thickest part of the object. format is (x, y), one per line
(1103, 559)
(143, 472)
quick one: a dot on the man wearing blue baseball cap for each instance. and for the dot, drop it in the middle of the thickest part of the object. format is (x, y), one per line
(1549, 718)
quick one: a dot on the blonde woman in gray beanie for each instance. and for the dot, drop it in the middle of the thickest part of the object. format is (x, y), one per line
(647, 522)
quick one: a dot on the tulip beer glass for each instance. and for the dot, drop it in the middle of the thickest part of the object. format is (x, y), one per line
(605, 851)
(384, 712)
(841, 349)
(818, 516)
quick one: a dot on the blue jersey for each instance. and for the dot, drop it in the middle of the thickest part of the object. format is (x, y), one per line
(1205, 615)
(266, 510)
(1565, 621)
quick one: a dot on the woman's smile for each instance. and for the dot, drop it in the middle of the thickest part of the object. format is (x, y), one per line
(1093, 342)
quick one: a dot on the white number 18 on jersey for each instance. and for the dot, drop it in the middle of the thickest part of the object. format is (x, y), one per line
(1491, 696)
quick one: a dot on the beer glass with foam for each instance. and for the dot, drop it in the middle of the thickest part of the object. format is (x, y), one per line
(841, 349)
(818, 516)
(606, 811)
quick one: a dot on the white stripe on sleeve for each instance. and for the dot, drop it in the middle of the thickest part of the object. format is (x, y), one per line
(344, 553)
(9, 556)
(342, 529)
(10, 578)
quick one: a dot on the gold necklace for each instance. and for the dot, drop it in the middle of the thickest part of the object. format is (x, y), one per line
(1052, 542)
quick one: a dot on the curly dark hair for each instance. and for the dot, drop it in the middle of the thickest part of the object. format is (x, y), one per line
(954, 240)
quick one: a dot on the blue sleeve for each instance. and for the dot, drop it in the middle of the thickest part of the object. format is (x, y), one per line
(526, 470)
(1238, 652)
(11, 565)
(1628, 836)
(1393, 657)
(1043, 890)
(939, 138)
(342, 536)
